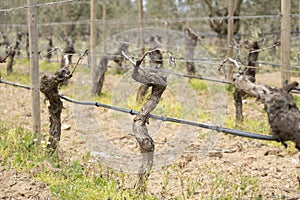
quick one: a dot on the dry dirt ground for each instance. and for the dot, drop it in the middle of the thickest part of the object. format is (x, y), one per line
(232, 165)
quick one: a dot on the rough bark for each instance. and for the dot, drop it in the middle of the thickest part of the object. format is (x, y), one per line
(250, 71)
(190, 45)
(102, 69)
(283, 113)
(49, 86)
(220, 25)
(238, 103)
(69, 50)
(3, 59)
(117, 58)
(9, 67)
(158, 84)
(27, 46)
(156, 62)
(49, 49)
(141, 93)
(67, 55)
(5, 42)
(156, 56)
(251, 68)
(19, 39)
(12, 53)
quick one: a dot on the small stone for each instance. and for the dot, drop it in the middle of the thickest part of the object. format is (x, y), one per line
(66, 127)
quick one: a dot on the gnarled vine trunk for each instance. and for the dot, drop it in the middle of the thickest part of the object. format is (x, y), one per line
(158, 84)
(49, 86)
(12, 53)
(156, 62)
(97, 88)
(283, 113)
(220, 25)
(250, 71)
(101, 69)
(49, 49)
(190, 45)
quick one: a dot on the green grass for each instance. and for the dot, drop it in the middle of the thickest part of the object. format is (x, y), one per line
(66, 180)
(200, 85)
(21, 70)
(21, 61)
(105, 97)
(242, 186)
(17, 77)
(214, 184)
(168, 105)
(20, 76)
(257, 126)
(296, 99)
(49, 67)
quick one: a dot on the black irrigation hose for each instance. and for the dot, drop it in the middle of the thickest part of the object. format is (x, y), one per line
(15, 84)
(175, 120)
(158, 117)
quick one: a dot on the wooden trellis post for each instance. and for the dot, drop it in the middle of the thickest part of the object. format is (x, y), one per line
(285, 41)
(34, 67)
(93, 46)
(299, 34)
(65, 18)
(104, 26)
(230, 36)
(141, 25)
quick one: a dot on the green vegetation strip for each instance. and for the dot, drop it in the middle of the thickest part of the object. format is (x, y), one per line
(65, 179)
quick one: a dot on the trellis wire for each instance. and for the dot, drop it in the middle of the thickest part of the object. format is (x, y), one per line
(165, 71)
(178, 59)
(158, 117)
(38, 5)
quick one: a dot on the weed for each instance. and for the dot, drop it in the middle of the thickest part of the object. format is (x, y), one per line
(49, 67)
(199, 85)
(75, 180)
(105, 97)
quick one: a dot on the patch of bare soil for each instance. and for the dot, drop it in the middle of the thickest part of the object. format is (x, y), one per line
(15, 111)
(231, 164)
(274, 79)
(15, 185)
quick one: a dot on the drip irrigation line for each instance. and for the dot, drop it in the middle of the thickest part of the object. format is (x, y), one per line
(159, 117)
(15, 84)
(174, 120)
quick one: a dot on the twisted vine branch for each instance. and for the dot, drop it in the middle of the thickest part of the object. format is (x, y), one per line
(146, 143)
